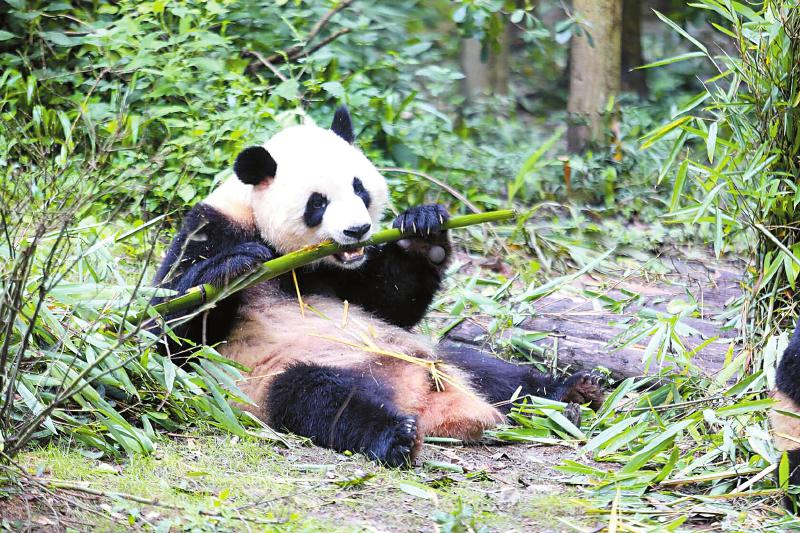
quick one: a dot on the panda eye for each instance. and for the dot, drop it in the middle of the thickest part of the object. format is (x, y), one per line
(361, 192)
(315, 209)
(317, 201)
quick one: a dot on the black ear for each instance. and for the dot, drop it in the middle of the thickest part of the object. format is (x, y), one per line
(342, 125)
(254, 165)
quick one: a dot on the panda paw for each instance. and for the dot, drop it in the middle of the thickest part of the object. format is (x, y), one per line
(397, 442)
(229, 265)
(423, 220)
(428, 239)
(583, 388)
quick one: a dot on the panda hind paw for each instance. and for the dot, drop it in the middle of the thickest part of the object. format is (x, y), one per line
(398, 443)
(583, 388)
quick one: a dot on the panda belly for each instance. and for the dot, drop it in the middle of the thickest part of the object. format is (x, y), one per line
(272, 335)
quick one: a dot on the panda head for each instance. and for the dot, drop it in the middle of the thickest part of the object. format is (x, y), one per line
(310, 184)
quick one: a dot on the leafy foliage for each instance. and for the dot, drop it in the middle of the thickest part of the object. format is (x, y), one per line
(740, 182)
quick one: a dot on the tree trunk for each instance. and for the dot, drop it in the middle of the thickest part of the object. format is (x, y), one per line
(594, 69)
(476, 80)
(499, 62)
(490, 77)
(632, 80)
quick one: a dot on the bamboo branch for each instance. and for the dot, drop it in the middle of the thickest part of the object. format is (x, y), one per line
(208, 293)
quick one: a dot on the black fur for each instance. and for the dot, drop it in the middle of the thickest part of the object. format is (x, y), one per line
(423, 220)
(788, 372)
(343, 409)
(787, 380)
(361, 192)
(792, 501)
(498, 380)
(254, 165)
(315, 209)
(210, 248)
(342, 125)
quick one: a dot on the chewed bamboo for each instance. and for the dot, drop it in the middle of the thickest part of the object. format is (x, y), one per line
(208, 293)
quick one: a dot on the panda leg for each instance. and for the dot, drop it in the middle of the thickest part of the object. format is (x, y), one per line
(456, 411)
(342, 409)
(498, 380)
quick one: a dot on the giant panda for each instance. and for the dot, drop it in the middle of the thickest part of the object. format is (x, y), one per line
(785, 427)
(328, 353)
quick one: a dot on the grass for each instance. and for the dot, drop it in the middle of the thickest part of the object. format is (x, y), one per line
(212, 481)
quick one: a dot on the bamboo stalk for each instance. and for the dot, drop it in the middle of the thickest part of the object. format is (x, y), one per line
(208, 293)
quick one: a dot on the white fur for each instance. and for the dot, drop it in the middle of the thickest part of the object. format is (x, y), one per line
(310, 159)
(232, 198)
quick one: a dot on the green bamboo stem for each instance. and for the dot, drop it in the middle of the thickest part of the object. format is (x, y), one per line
(273, 268)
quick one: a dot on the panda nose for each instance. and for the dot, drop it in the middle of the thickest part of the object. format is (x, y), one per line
(357, 232)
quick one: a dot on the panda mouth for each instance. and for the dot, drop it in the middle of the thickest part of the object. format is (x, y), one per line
(350, 256)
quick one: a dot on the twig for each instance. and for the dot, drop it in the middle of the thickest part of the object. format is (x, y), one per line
(457, 195)
(264, 61)
(297, 50)
(284, 57)
(325, 19)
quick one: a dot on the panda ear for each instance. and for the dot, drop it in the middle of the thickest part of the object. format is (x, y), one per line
(254, 165)
(342, 125)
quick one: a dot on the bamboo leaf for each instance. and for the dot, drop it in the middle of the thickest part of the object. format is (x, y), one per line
(711, 141)
(655, 446)
(656, 134)
(677, 189)
(681, 31)
(673, 59)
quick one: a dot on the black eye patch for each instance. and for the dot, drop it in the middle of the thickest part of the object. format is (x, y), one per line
(361, 192)
(315, 208)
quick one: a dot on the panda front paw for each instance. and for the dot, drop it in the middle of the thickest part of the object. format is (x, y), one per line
(583, 388)
(423, 220)
(255, 251)
(395, 447)
(428, 239)
(229, 265)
